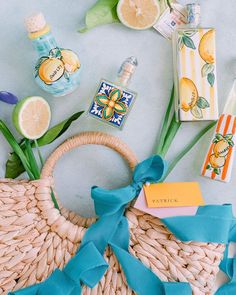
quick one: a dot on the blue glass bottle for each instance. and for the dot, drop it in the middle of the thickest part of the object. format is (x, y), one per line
(57, 70)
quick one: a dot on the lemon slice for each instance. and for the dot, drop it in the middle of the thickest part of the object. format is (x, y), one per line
(138, 14)
(32, 116)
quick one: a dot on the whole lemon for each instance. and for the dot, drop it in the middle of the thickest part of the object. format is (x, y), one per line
(70, 60)
(51, 70)
(207, 46)
(188, 94)
(217, 162)
(221, 148)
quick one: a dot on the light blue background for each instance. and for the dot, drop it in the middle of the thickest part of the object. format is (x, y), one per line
(101, 51)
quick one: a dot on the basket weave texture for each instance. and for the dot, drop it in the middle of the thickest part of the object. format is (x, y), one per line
(36, 238)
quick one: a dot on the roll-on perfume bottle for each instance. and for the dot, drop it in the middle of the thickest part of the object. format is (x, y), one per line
(113, 101)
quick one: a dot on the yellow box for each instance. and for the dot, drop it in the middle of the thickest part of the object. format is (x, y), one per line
(194, 58)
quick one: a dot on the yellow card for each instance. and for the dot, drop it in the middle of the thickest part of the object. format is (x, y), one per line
(173, 194)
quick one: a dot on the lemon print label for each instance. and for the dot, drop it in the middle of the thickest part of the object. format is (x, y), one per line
(219, 160)
(190, 100)
(221, 148)
(59, 63)
(195, 74)
(206, 50)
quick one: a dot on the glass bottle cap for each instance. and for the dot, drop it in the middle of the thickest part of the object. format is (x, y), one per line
(194, 14)
(127, 69)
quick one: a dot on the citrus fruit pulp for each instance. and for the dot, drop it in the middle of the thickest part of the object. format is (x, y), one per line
(32, 116)
(138, 14)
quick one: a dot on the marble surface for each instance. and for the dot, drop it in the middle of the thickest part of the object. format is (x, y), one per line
(101, 52)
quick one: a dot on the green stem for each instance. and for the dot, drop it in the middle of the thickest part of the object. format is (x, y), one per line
(33, 163)
(54, 200)
(39, 152)
(165, 124)
(188, 148)
(16, 148)
(169, 4)
(173, 129)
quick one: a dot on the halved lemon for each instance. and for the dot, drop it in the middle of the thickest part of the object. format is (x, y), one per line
(32, 116)
(138, 14)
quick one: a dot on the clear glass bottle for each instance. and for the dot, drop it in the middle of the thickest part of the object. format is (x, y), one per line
(194, 59)
(113, 101)
(57, 70)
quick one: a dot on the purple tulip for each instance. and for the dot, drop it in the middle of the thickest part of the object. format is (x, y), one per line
(8, 97)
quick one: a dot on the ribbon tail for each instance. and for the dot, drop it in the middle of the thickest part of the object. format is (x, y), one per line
(139, 277)
(33, 290)
(230, 287)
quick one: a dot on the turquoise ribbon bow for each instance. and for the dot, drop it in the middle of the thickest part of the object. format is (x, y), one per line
(210, 224)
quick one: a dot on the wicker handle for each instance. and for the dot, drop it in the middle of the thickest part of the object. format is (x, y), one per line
(97, 138)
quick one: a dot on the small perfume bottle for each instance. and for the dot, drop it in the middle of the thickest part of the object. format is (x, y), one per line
(57, 70)
(113, 101)
(194, 60)
(219, 159)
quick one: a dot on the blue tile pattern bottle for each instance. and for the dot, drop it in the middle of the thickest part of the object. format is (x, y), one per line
(57, 71)
(113, 101)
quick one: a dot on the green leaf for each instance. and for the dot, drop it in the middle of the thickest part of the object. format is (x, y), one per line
(33, 163)
(55, 52)
(211, 78)
(189, 33)
(172, 130)
(217, 171)
(166, 122)
(56, 131)
(16, 148)
(103, 12)
(14, 166)
(188, 42)
(197, 112)
(187, 148)
(202, 103)
(219, 136)
(228, 136)
(208, 167)
(207, 69)
(231, 143)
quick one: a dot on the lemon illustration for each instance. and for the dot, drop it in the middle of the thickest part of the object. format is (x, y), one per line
(188, 94)
(51, 70)
(206, 47)
(70, 60)
(217, 162)
(221, 148)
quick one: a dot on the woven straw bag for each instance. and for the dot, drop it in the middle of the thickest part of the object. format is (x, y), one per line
(36, 238)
